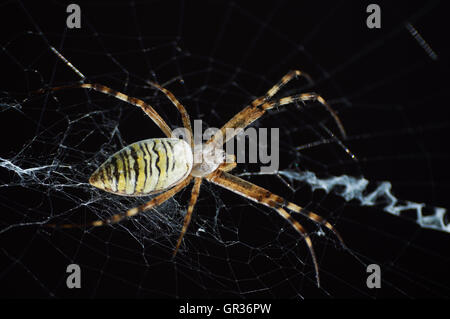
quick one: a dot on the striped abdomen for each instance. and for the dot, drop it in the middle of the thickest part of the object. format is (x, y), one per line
(145, 167)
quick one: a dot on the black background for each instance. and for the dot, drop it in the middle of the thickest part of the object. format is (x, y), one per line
(389, 82)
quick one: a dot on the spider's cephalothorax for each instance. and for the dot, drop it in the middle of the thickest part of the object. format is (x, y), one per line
(207, 159)
(167, 165)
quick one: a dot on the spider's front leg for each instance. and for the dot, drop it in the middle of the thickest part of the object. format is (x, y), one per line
(230, 163)
(277, 87)
(267, 198)
(261, 105)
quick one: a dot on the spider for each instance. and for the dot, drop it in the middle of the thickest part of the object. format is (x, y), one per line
(165, 166)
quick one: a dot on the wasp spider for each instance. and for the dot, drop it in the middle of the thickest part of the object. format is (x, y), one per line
(166, 165)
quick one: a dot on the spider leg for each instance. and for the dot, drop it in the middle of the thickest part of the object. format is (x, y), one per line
(229, 164)
(306, 97)
(317, 218)
(150, 111)
(187, 218)
(277, 87)
(253, 112)
(226, 167)
(299, 228)
(184, 114)
(265, 197)
(154, 202)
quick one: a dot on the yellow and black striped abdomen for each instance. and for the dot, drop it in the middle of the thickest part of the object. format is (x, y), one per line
(145, 167)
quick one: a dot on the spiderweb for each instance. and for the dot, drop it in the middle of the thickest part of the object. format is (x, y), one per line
(384, 187)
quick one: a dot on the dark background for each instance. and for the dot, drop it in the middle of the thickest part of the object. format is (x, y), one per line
(379, 81)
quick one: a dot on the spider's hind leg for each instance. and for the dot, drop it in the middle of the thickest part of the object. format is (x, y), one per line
(116, 218)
